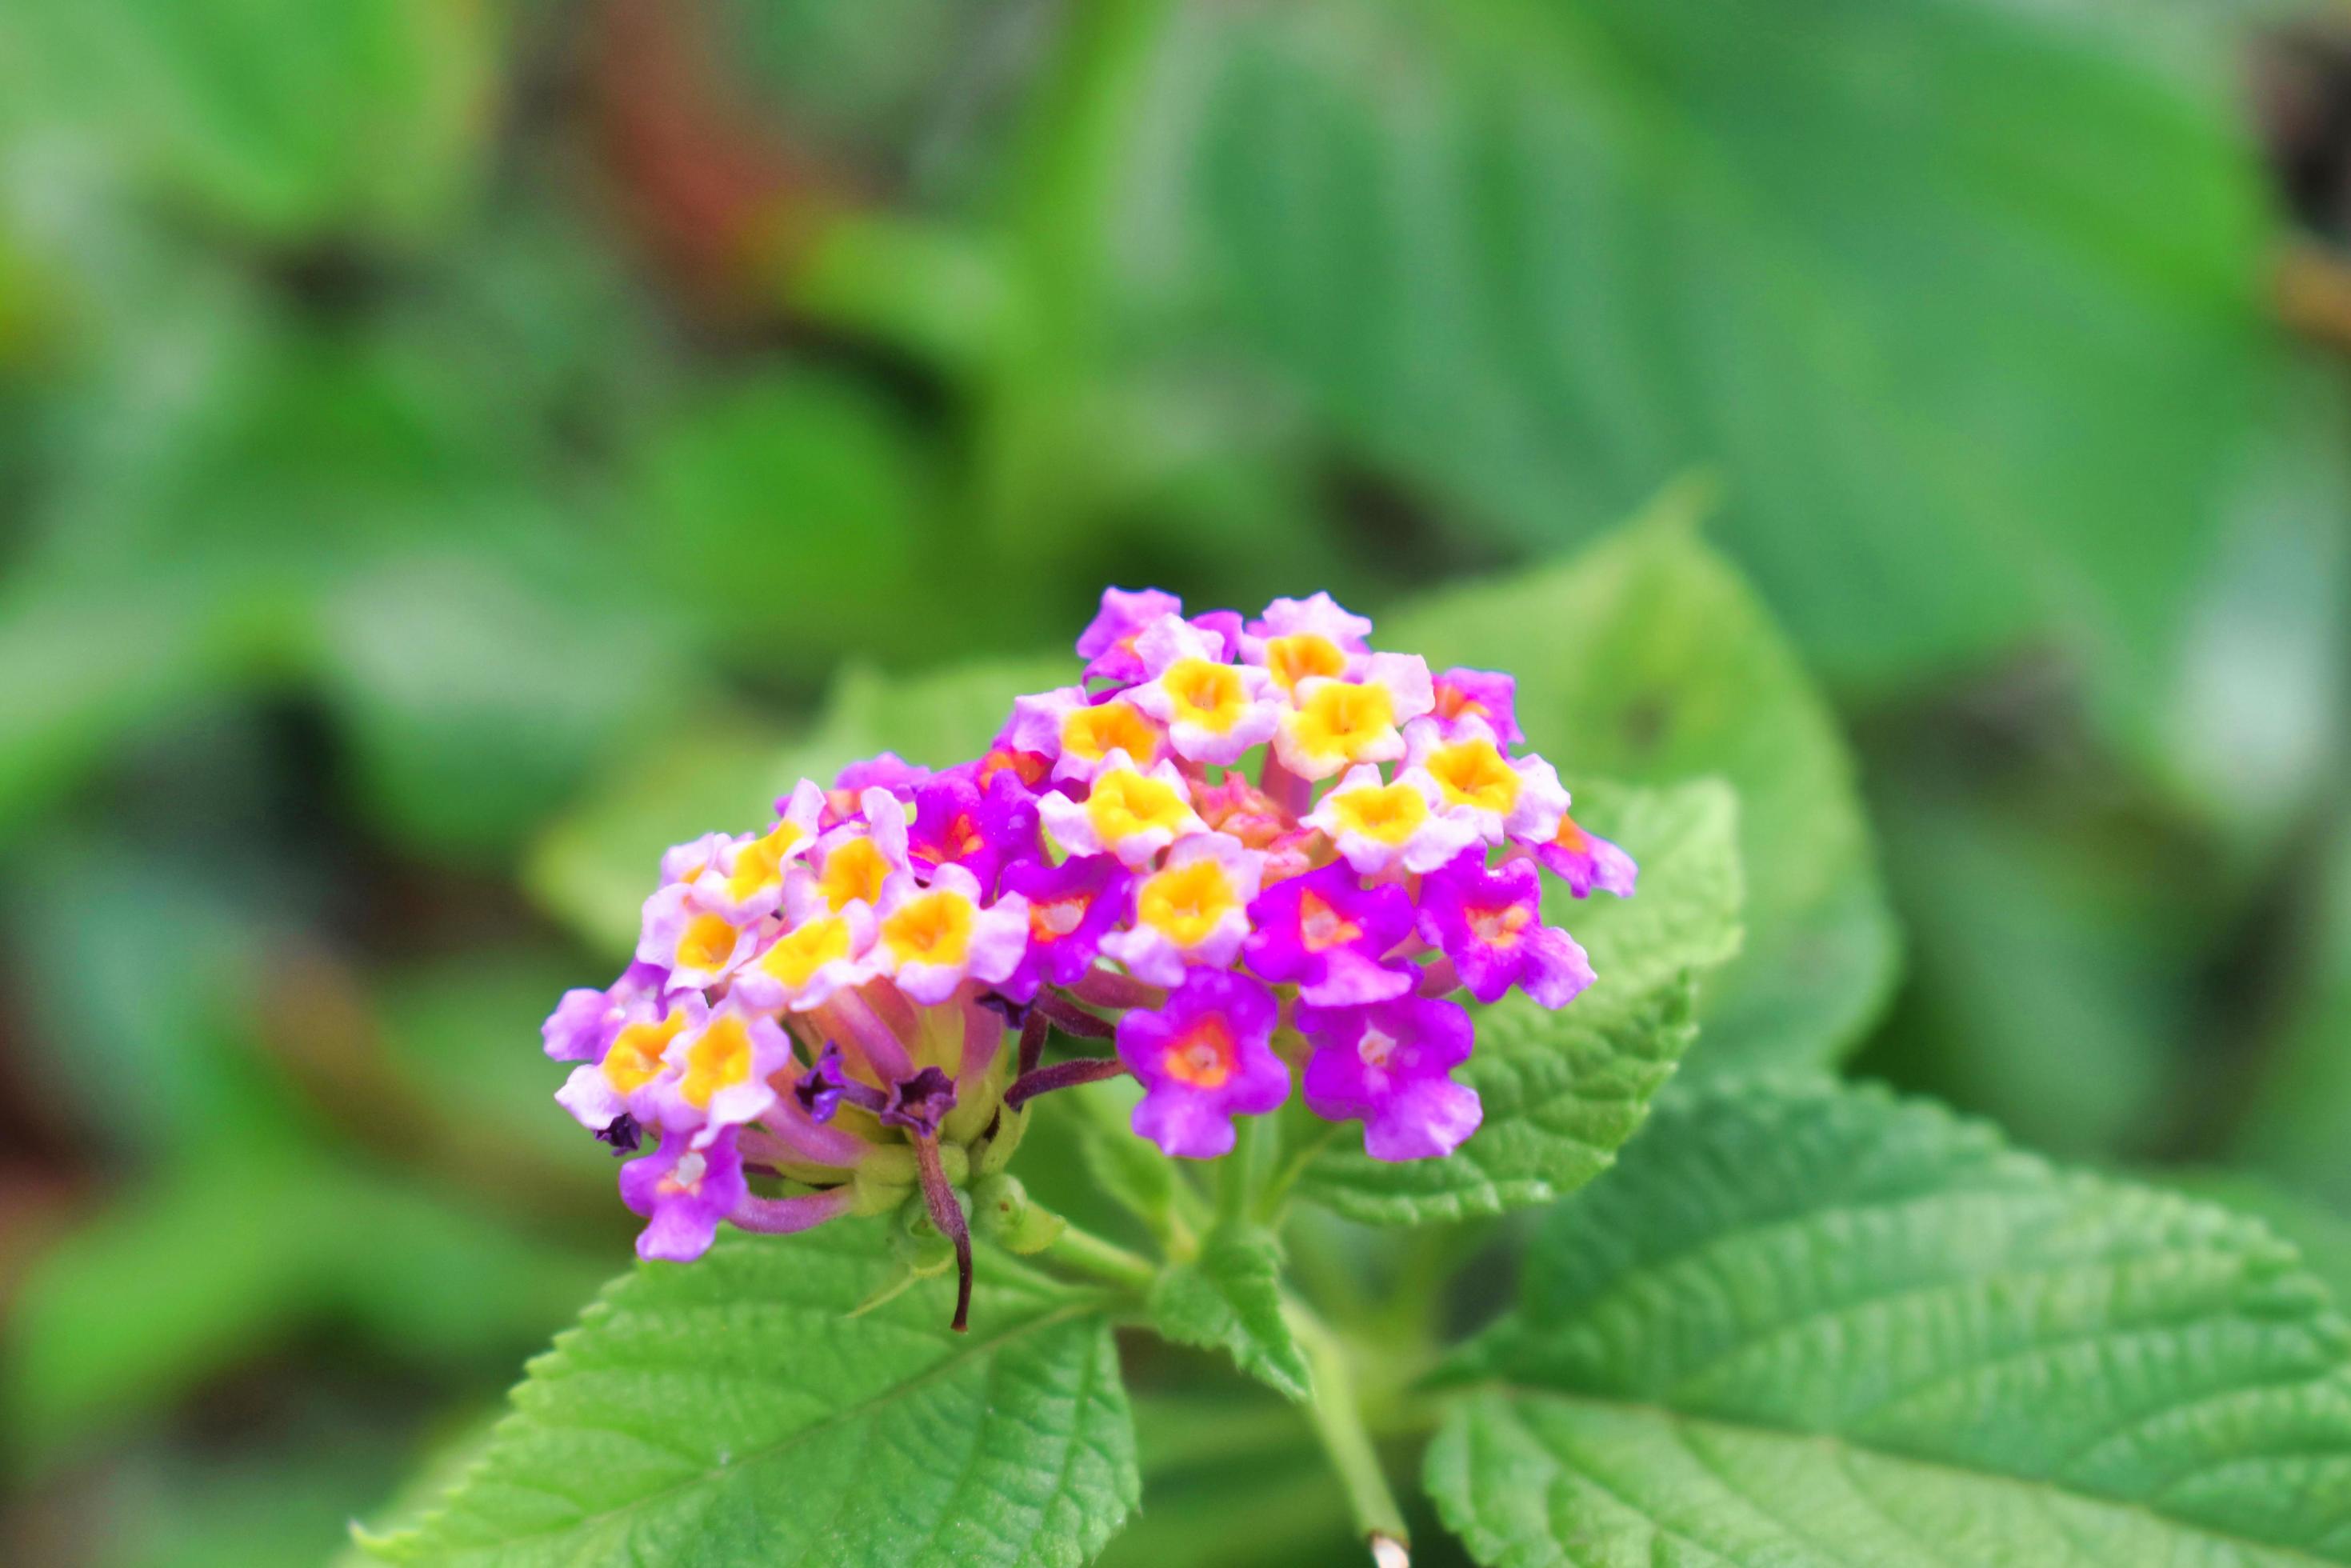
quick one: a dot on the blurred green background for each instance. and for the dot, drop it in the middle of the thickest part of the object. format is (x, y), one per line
(450, 448)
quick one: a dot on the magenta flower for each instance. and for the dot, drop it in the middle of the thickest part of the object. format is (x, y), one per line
(1480, 694)
(719, 1073)
(818, 954)
(687, 862)
(1334, 723)
(857, 861)
(1586, 860)
(1217, 826)
(626, 1079)
(1203, 1057)
(1193, 909)
(1108, 641)
(697, 945)
(1132, 813)
(1329, 934)
(1503, 796)
(1491, 925)
(1317, 615)
(1071, 907)
(747, 880)
(1214, 711)
(1378, 825)
(1388, 1065)
(1082, 732)
(584, 1022)
(888, 773)
(683, 1193)
(929, 940)
(1223, 627)
(958, 823)
(1033, 770)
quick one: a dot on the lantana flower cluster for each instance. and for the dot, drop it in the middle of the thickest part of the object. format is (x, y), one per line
(1258, 858)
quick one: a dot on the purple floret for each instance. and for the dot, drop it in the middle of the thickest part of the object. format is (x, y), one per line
(1389, 1065)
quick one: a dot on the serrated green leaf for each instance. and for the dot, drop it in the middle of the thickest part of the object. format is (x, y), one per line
(1812, 1325)
(1563, 1090)
(2321, 1236)
(1229, 1298)
(727, 1413)
(1646, 659)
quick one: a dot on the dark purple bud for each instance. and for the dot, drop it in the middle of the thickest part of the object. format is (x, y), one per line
(1014, 1014)
(824, 1086)
(917, 1103)
(623, 1133)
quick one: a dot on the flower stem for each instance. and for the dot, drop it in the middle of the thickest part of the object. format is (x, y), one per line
(1061, 1075)
(947, 1215)
(1237, 1173)
(1032, 1043)
(1073, 1020)
(1277, 1187)
(1347, 1441)
(1083, 1252)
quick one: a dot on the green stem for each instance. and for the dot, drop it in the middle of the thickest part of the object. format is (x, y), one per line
(1347, 1441)
(1277, 1190)
(1083, 1252)
(1237, 1172)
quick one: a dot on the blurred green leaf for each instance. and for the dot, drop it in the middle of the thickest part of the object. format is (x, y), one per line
(1014, 1445)
(1232, 1476)
(1646, 659)
(139, 969)
(442, 1277)
(348, 515)
(1131, 1171)
(81, 668)
(918, 90)
(2259, 720)
(473, 703)
(279, 1500)
(938, 719)
(1962, 300)
(2051, 986)
(1228, 1298)
(788, 512)
(289, 120)
(247, 1239)
(1563, 1090)
(929, 288)
(463, 1032)
(1816, 1324)
(2300, 1125)
(87, 1347)
(594, 867)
